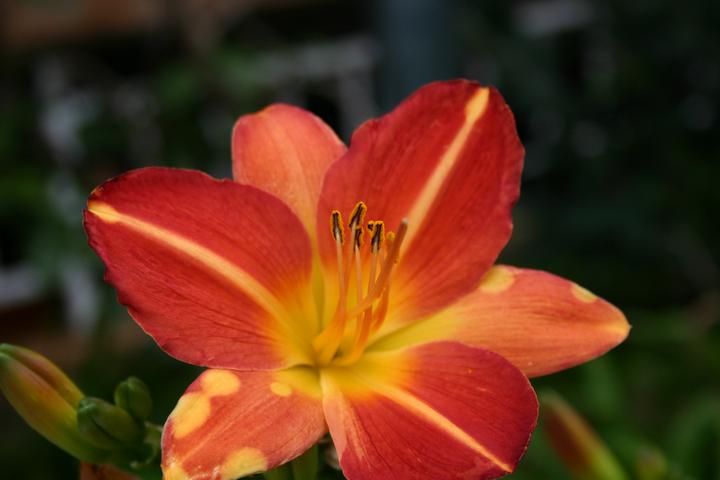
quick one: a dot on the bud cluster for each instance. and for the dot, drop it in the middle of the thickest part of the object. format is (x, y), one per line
(90, 429)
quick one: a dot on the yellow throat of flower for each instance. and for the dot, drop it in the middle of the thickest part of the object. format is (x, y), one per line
(371, 305)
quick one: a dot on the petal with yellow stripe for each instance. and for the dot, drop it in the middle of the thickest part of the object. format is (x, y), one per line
(441, 410)
(230, 424)
(540, 322)
(214, 271)
(285, 151)
(449, 160)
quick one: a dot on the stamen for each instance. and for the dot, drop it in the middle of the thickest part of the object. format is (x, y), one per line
(341, 276)
(373, 268)
(359, 321)
(390, 239)
(384, 276)
(384, 251)
(371, 321)
(357, 217)
(377, 234)
(357, 238)
(381, 311)
(358, 262)
(327, 342)
(336, 229)
(361, 337)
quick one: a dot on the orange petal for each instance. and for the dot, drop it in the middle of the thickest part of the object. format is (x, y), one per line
(442, 411)
(540, 322)
(212, 270)
(285, 151)
(449, 159)
(230, 424)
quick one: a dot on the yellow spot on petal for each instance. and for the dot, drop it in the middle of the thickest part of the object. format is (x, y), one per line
(220, 382)
(192, 410)
(175, 472)
(497, 280)
(583, 294)
(243, 462)
(280, 389)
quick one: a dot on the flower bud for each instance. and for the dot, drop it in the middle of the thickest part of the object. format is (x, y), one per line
(577, 445)
(650, 464)
(103, 472)
(133, 396)
(107, 425)
(46, 399)
(46, 370)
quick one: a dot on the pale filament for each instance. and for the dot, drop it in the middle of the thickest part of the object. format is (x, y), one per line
(384, 277)
(367, 319)
(364, 321)
(329, 339)
(381, 310)
(327, 343)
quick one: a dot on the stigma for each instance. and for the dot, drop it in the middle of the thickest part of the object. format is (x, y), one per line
(353, 324)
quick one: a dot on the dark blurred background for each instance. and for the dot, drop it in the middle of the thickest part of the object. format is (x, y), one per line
(617, 103)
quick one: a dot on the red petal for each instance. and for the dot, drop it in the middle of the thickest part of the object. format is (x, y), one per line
(285, 150)
(449, 159)
(229, 424)
(214, 271)
(440, 411)
(540, 322)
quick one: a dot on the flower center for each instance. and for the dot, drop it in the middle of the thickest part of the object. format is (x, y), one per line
(370, 307)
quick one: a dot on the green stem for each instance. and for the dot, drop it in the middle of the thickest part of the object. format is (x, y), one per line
(283, 472)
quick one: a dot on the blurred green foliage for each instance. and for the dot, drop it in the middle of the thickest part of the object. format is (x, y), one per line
(618, 105)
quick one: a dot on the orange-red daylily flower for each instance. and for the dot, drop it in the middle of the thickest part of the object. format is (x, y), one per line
(350, 291)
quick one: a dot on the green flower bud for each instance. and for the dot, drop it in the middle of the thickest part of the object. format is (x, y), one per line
(133, 396)
(651, 465)
(46, 399)
(575, 442)
(107, 425)
(45, 369)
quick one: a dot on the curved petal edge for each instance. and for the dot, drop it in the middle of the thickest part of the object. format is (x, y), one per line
(449, 160)
(230, 424)
(214, 271)
(540, 322)
(441, 410)
(285, 150)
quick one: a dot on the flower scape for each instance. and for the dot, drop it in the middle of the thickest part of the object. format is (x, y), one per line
(350, 291)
